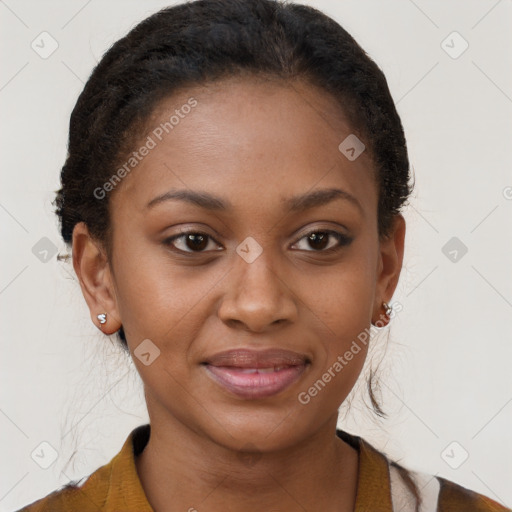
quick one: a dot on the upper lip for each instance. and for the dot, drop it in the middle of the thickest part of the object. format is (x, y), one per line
(248, 358)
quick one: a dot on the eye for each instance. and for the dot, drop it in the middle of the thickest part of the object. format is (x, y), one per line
(191, 241)
(324, 241)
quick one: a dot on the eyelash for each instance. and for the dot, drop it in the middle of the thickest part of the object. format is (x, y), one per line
(343, 241)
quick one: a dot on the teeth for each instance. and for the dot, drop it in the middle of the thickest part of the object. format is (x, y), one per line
(261, 370)
(266, 370)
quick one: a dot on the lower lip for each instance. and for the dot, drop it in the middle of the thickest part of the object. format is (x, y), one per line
(255, 385)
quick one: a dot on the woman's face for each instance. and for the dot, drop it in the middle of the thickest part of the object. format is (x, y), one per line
(276, 260)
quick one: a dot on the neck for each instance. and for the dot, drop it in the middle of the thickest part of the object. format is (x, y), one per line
(180, 470)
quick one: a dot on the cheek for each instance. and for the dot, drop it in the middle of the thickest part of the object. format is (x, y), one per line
(162, 301)
(145, 286)
(155, 303)
(344, 301)
(342, 310)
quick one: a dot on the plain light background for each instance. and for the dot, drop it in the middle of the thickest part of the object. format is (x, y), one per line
(447, 384)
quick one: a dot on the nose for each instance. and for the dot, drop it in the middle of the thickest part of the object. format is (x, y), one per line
(259, 298)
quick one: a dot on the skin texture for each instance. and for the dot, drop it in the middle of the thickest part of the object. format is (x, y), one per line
(253, 143)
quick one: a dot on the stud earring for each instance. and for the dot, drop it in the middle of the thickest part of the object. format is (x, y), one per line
(102, 318)
(388, 309)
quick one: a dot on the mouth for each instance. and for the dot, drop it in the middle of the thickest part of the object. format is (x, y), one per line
(252, 374)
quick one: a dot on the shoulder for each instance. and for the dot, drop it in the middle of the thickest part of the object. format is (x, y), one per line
(88, 496)
(453, 496)
(113, 487)
(385, 485)
(435, 493)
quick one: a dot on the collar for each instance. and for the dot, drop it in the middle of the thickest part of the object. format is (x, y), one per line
(373, 479)
(125, 488)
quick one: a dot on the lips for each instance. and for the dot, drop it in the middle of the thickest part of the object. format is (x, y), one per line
(252, 374)
(245, 358)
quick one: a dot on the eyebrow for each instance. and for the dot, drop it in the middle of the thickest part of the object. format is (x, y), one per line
(319, 198)
(298, 203)
(201, 199)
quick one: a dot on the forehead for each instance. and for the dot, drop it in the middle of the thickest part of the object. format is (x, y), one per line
(244, 138)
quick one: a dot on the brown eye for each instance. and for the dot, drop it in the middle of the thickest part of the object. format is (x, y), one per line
(324, 241)
(191, 241)
(319, 240)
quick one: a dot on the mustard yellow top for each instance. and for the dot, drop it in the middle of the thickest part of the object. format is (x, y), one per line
(381, 487)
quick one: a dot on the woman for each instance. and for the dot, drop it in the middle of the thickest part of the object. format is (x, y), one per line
(232, 197)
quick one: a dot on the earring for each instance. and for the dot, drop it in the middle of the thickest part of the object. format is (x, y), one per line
(388, 309)
(102, 318)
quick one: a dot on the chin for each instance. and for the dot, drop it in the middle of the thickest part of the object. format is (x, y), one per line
(259, 432)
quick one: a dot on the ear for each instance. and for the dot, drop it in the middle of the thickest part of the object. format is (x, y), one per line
(93, 271)
(391, 254)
